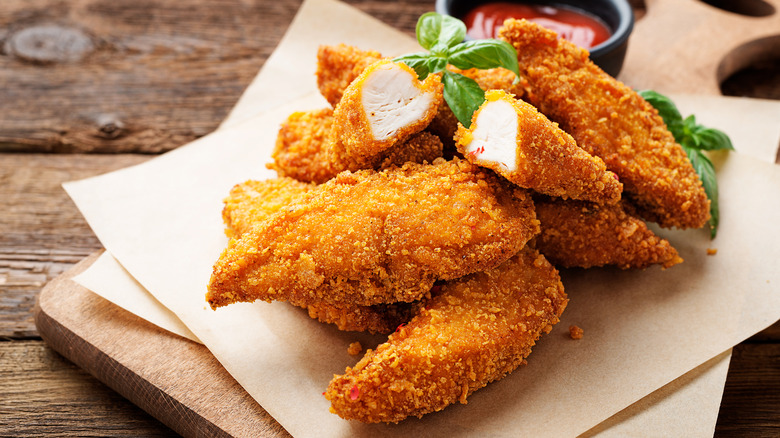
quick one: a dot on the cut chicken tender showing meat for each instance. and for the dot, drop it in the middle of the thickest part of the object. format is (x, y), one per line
(512, 138)
(582, 234)
(253, 202)
(476, 330)
(611, 121)
(301, 150)
(338, 66)
(377, 237)
(380, 109)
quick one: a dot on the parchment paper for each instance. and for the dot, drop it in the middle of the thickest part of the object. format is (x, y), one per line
(642, 329)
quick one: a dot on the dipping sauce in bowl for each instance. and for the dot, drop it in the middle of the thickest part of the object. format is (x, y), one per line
(579, 27)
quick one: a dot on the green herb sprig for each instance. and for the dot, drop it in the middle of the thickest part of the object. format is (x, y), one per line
(442, 36)
(694, 139)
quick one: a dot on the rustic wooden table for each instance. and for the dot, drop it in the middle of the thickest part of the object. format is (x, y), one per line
(90, 86)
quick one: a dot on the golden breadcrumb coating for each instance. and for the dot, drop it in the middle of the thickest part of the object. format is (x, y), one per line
(546, 159)
(581, 234)
(381, 108)
(377, 237)
(338, 66)
(611, 121)
(301, 148)
(476, 330)
(252, 202)
(300, 151)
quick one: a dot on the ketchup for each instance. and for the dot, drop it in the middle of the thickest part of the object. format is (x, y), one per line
(573, 25)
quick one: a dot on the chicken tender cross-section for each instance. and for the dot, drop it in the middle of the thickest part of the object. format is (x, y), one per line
(377, 237)
(338, 66)
(476, 330)
(611, 121)
(380, 109)
(253, 202)
(512, 138)
(582, 234)
(301, 150)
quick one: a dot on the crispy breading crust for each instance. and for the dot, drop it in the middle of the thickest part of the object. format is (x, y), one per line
(252, 202)
(582, 234)
(610, 120)
(476, 330)
(377, 237)
(548, 159)
(338, 66)
(300, 151)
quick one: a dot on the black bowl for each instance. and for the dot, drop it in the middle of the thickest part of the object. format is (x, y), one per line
(616, 14)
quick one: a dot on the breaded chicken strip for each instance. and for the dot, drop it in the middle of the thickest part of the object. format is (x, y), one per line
(582, 234)
(252, 202)
(377, 237)
(338, 66)
(301, 148)
(476, 330)
(380, 109)
(611, 121)
(300, 151)
(512, 138)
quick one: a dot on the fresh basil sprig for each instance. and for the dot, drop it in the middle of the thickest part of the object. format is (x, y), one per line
(442, 36)
(694, 139)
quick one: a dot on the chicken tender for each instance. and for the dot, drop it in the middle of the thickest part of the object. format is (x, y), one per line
(338, 66)
(474, 331)
(301, 150)
(582, 234)
(512, 138)
(381, 108)
(611, 121)
(377, 237)
(252, 202)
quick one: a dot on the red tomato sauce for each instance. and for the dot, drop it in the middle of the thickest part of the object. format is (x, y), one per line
(573, 25)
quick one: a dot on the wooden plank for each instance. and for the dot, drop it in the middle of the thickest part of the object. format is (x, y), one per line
(176, 380)
(137, 76)
(43, 233)
(44, 395)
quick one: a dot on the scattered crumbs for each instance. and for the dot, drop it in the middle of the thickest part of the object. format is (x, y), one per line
(354, 348)
(712, 251)
(575, 332)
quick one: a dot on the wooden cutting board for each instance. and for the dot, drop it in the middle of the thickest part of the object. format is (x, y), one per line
(174, 379)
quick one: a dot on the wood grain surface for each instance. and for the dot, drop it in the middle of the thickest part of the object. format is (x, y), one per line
(90, 86)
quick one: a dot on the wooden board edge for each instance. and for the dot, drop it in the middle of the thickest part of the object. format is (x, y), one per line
(56, 326)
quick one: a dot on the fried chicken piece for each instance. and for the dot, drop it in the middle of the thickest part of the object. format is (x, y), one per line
(380, 109)
(611, 121)
(512, 138)
(338, 66)
(475, 331)
(582, 234)
(300, 151)
(301, 148)
(377, 237)
(252, 202)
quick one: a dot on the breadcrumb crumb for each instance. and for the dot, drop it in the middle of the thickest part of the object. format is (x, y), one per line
(575, 332)
(712, 251)
(354, 348)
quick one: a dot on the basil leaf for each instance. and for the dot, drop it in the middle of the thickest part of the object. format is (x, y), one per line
(417, 61)
(712, 139)
(666, 108)
(463, 95)
(438, 33)
(484, 54)
(428, 29)
(706, 171)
